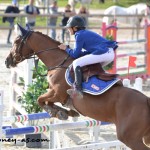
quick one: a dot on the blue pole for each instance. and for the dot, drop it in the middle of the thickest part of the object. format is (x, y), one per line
(37, 116)
(17, 131)
(22, 118)
(45, 128)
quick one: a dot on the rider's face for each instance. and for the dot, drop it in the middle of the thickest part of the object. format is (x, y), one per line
(71, 30)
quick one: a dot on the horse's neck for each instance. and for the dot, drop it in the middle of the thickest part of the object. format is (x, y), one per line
(51, 55)
(54, 58)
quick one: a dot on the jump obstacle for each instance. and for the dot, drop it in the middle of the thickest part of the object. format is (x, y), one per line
(29, 117)
(52, 127)
(112, 31)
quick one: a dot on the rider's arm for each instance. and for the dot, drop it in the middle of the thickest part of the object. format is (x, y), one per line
(77, 51)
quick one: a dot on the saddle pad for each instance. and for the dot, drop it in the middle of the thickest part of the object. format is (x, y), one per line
(94, 86)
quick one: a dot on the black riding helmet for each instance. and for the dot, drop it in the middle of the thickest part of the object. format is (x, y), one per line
(75, 21)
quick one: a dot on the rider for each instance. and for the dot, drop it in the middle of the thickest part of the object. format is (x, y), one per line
(90, 48)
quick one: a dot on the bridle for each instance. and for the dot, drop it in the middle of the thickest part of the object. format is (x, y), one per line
(33, 54)
(19, 52)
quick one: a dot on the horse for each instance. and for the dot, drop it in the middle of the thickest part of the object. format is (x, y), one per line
(127, 108)
(137, 9)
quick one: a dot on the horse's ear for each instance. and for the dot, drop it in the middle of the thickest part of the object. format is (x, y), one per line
(23, 31)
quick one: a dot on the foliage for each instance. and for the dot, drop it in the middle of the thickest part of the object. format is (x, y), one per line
(110, 65)
(38, 87)
(109, 37)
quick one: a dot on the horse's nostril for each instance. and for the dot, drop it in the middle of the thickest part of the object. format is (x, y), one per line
(6, 63)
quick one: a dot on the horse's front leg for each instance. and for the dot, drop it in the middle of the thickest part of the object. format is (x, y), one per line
(47, 97)
(46, 101)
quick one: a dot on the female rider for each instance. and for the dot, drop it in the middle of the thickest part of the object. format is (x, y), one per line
(90, 48)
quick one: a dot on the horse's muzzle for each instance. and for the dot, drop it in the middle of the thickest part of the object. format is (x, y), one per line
(9, 61)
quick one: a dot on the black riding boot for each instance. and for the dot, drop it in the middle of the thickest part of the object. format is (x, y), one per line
(76, 92)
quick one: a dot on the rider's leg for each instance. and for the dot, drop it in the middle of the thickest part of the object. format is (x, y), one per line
(87, 60)
(104, 59)
(77, 91)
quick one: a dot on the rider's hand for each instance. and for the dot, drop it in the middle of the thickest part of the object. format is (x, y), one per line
(62, 46)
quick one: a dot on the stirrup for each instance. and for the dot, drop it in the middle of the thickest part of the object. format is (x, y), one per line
(75, 94)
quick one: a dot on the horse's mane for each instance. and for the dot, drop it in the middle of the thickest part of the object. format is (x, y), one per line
(49, 38)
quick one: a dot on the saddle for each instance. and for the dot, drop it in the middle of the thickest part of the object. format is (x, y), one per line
(95, 70)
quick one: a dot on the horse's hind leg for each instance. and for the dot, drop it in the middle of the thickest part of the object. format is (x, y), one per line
(147, 141)
(132, 136)
(137, 145)
(133, 142)
(146, 138)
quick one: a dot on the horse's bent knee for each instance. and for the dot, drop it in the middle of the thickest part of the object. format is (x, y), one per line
(40, 101)
(146, 141)
(146, 138)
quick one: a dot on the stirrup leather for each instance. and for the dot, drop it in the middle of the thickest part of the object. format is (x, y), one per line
(75, 94)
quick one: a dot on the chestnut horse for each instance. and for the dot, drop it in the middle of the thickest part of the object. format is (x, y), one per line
(127, 108)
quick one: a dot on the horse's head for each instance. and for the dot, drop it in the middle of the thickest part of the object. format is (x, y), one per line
(20, 49)
(35, 43)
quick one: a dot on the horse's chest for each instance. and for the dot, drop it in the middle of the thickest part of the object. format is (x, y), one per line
(55, 76)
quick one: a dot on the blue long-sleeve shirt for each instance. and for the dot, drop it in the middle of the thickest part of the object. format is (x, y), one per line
(88, 42)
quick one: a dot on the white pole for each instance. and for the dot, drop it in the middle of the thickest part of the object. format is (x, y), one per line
(1, 115)
(138, 84)
(96, 131)
(28, 66)
(12, 93)
(126, 83)
(53, 137)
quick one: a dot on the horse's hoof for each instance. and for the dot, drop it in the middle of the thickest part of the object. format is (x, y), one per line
(62, 115)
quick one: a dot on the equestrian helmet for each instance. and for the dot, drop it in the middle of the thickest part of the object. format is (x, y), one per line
(75, 21)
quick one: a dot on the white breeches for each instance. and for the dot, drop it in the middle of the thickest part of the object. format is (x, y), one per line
(103, 59)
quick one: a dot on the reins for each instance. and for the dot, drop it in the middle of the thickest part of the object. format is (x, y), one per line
(49, 68)
(41, 51)
(60, 65)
